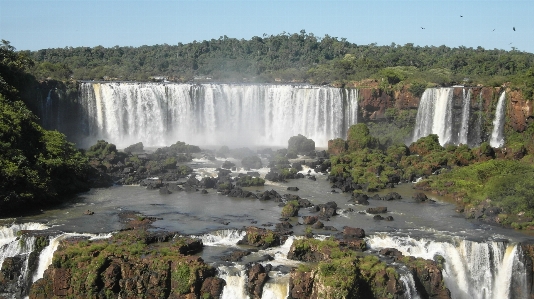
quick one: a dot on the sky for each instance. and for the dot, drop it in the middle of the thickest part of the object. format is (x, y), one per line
(40, 24)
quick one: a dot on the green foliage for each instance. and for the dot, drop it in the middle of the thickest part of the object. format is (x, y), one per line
(291, 209)
(508, 183)
(360, 138)
(181, 276)
(300, 144)
(247, 181)
(417, 88)
(36, 166)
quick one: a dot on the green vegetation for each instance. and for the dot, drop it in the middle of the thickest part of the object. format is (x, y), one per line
(253, 162)
(291, 57)
(247, 181)
(291, 209)
(506, 183)
(300, 144)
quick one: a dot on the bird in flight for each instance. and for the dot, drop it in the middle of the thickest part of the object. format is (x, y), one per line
(422, 28)
(461, 16)
(493, 29)
(513, 28)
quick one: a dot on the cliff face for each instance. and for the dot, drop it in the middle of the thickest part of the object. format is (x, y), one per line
(374, 102)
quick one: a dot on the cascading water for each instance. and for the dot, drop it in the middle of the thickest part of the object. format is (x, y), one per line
(409, 286)
(215, 114)
(497, 137)
(464, 128)
(434, 115)
(471, 270)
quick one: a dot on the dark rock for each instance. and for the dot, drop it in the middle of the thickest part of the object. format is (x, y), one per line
(235, 256)
(375, 197)
(353, 232)
(318, 225)
(392, 196)
(88, 212)
(309, 220)
(378, 217)
(420, 197)
(257, 276)
(360, 199)
(389, 218)
(292, 188)
(377, 210)
(212, 286)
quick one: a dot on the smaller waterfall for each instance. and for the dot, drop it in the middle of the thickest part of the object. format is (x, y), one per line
(226, 237)
(464, 128)
(497, 135)
(236, 283)
(434, 115)
(409, 286)
(276, 287)
(471, 270)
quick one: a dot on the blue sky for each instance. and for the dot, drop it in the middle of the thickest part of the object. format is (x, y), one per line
(40, 24)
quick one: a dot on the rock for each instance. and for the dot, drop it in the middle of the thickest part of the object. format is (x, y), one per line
(353, 232)
(389, 218)
(301, 284)
(235, 256)
(420, 197)
(292, 188)
(327, 210)
(88, 212)
(257, 276)
(376, 197)
(392, 196)
(212, 286)
(318, 225)
(260, 237)
(377, 210)
(360, 199)
(309, 220)
(378, 217)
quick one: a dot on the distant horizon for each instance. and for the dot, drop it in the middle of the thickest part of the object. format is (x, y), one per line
(50, 24)
(317, 36)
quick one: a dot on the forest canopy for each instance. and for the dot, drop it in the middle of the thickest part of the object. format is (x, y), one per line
(286, 57)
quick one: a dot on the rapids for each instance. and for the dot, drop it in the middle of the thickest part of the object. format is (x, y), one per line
(481, 261)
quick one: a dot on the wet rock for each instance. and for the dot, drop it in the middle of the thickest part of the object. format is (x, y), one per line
(318, 225)
(392, 196)
(353, 232)
(420, 197)
(212, 286)
(377, 210)
(235, 256)
(257, 276)
(309, 220)
(360, 199)
(389, 218)
(292, 188)
(378, 217)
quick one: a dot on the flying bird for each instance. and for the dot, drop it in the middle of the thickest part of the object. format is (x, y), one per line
(513, 28)
(461, 16)
(422, 28)
(493, 29)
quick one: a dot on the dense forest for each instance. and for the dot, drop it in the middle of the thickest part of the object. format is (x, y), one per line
(297, 57)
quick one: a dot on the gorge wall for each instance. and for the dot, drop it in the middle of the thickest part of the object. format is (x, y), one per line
(159, 114)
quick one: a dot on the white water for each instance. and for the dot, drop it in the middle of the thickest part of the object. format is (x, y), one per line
(471, 270)
(434, 115)
(227, 237)
(215, 114)
(466, 105)
(497, 137)
(409, 286)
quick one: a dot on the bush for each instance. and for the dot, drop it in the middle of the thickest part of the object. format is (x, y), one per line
(253, 162)
(300, 144)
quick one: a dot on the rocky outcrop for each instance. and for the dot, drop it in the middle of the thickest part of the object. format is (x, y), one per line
(261, 237)
(427, 274)
(131, 264)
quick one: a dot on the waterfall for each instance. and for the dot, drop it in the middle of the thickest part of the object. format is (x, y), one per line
(409, 286)
(434, 115)
(497, 137)
(226, 237)
(215, 114)
(236, 283)
(464, 128)
(471, 270)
